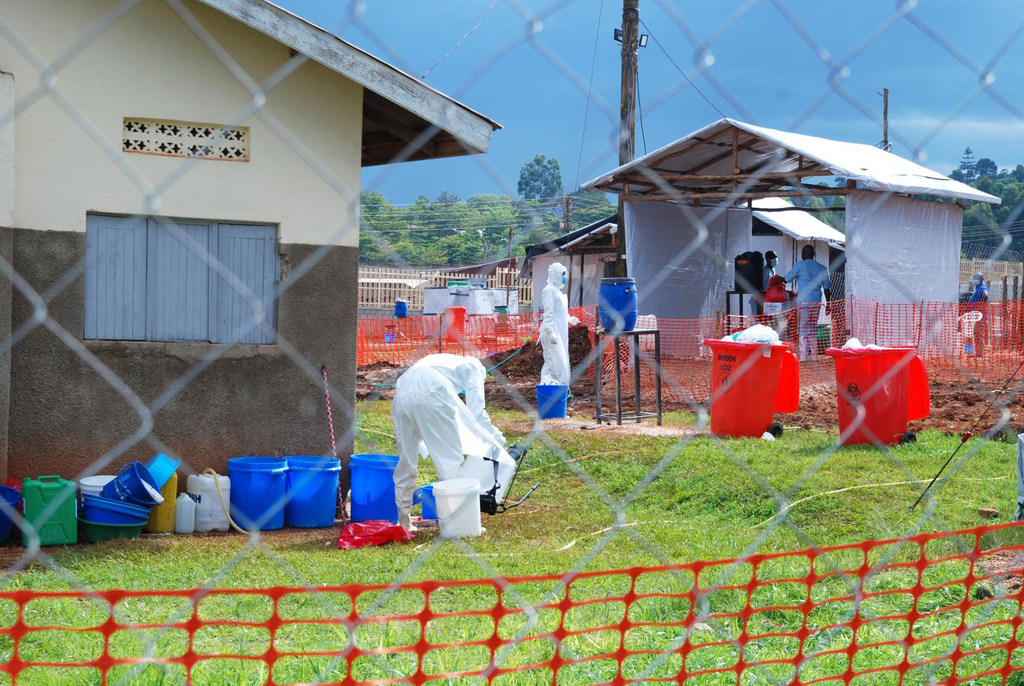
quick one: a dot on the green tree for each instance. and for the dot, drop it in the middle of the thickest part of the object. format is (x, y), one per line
(540, 178)
(985, 167)
(967, 165)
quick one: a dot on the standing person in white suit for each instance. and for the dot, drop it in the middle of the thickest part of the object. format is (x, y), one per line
(431, 419)
(554, 329)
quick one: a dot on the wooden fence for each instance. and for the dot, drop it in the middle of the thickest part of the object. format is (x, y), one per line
(382, 286)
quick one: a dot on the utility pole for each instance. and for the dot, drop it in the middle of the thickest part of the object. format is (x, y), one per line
(627, 115)
(885, 120)
(568, 213)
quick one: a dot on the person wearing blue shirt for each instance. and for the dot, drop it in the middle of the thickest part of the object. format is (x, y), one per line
(812, 282)
(979, 303)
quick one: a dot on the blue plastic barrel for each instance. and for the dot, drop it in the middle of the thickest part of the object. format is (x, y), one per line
(312, 491)
(401, 309)
(424, 495)
(552, 401)
(617, 306)
(373, 487)
(259, 490)
(12, 497)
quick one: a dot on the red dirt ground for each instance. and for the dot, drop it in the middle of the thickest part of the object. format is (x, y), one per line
(955, 407)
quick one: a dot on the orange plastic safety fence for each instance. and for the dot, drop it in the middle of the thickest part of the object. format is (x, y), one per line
(933, 607)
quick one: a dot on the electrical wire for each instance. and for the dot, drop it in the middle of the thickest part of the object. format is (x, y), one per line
(459, 42)
(699, 92)
(590, 90)
(640, 107)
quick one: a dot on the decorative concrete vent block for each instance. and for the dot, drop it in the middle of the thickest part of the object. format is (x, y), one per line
(185, 139)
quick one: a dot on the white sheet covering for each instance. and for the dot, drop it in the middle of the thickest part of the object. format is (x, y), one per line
(902, 250)
(672, 284)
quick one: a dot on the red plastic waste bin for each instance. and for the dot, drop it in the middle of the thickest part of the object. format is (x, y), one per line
(750, 382)
(891, 384)
(455, 323)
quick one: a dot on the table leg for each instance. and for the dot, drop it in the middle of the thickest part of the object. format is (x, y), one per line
(636, 374)
(657, 377)
(618, 383)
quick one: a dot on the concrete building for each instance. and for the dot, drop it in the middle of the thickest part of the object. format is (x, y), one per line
(179, 190)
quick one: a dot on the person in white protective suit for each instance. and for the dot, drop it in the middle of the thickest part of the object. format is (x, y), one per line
(430, 419)
(554, 329)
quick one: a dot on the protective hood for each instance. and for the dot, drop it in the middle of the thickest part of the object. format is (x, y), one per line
(556, 275)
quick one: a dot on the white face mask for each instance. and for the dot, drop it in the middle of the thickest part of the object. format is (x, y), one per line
(772, 262)
(976, 282)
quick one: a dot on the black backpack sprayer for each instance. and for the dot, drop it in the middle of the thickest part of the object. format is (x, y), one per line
(489, 499)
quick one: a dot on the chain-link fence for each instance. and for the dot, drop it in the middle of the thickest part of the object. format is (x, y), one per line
(180, 196)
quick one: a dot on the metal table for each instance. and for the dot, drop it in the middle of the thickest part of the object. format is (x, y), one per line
(639, 414)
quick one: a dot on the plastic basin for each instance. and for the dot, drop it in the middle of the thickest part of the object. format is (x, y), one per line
(93, 485)
(312, 491)
(12, 497)
(161, 467)
(890, 387)
(259, 490)
(373, 487)
(458, 507)
(552, 401)
(617, 304)
(97, 532)
(103, 510)
(130, 486)
(750, 382)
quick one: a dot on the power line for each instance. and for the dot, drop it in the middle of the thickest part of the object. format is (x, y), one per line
(459, 42)
(658, 43)
(590, 90)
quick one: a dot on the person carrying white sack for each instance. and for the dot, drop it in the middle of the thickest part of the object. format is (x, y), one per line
(431, 419)
(554, 329)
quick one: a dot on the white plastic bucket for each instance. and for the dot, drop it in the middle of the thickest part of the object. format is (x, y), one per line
(458, 507)
(209, 504)
(93, 485)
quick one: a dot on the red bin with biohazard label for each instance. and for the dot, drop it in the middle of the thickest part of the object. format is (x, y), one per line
(890, 384)
(750, 382)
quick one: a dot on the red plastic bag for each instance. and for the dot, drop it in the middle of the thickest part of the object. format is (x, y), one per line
(373, 532)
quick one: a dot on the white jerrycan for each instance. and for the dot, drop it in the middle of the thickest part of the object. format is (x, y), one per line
(482, 469)
(209, 511)
(185, 515)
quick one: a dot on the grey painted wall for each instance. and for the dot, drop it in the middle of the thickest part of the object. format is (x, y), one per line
(253, 400)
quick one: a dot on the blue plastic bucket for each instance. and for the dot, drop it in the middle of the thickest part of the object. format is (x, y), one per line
(401, 309)
(552, 401)
(617, 304)
(424, 495)
(259, 490)
(12, 497)
(312, 491)
(128, 486)
(103, 510)
(373, 487)
(162, 467)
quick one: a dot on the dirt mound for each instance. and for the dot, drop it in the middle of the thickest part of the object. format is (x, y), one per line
(377, 380)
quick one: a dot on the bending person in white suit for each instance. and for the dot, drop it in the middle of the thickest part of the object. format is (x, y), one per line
(431, 419)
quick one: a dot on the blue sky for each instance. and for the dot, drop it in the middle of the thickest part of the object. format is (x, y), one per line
(762, 70)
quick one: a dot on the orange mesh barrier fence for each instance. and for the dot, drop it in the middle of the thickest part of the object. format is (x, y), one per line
(930, 608)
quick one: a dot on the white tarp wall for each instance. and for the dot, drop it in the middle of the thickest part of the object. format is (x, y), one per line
(593, 272)
(672, 284)
(900, 250)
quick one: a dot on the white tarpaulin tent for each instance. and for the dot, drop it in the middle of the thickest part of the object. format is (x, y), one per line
(900, 247)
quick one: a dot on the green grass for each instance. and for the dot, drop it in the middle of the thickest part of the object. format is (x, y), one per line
(707, 502)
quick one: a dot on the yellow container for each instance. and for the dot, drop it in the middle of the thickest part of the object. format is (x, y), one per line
(161, 518)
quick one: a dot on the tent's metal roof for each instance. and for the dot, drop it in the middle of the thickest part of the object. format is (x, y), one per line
(732, 160)
(795, 223)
